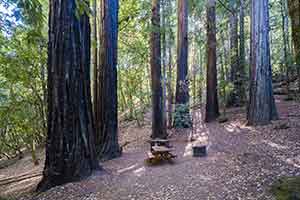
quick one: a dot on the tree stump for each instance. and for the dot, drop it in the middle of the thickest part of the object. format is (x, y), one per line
(199, 151)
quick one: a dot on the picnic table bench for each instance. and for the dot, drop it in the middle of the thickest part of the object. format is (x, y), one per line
(161, 151)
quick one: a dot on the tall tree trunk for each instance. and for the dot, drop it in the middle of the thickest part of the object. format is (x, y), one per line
(285, 35)
(94, 51)
(242, 78)
(234, 98)
(294, 11)
(169, 41)
(107, 113)
(170, 88)
(70, 148)
(182, 114)
(201, 72)
(212, 106)
(164, 61)
(261, 109)
(158, 130)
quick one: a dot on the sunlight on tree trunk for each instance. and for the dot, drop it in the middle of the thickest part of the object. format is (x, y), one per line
(70, 148)
(261, 108)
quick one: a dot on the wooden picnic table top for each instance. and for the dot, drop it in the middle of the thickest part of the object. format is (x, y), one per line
(159, 140)
(161, 149)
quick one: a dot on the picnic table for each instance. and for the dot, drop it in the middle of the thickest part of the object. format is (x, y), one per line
(161, 150)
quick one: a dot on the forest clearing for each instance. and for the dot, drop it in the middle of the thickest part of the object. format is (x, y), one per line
(150, 99)
(242, 163)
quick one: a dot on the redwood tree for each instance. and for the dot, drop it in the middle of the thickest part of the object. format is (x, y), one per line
(294, 12)
(70, 148)
(212, 106)
(182, 117)
(261, 108)
(106, 105)
(234, 98)
(158, 129)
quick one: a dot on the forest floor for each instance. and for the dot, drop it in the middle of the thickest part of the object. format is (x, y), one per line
(242, 163)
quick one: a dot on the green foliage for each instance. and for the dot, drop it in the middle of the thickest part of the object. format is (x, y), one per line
(287, 188)
(23, 88)
(226, 89)
(181, 116)
(82, 8)
(7, 198)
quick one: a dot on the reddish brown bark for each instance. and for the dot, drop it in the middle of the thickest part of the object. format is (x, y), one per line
(212, 106)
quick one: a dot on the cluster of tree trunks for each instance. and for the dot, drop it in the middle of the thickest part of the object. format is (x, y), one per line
(261, 108)
(79, 133)
(106, 99)
(237, 96)
(70, 147)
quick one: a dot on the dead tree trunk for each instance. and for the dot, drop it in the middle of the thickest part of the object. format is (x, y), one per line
(182, 118)
(261, 109)
(70, 148)
(106, 112)
(212, 106)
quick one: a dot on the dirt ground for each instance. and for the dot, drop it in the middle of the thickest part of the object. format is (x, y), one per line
(242, 163)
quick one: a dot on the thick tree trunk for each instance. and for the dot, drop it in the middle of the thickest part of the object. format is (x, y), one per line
(212, 106)
(182, 118)
(158, 130)
(107, 112)
(70, 148)
(261, 109)
(294, 11)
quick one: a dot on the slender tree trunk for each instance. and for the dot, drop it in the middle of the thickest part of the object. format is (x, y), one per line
(234, 97)
(223, 73)
(285, 35)
(164, 61)
(182, 114)
(212, 106)
(170, 41)
(107, 113)
(94, 51)
(223, 79)
(70, 148)
(201, 72)
(294, 11)
(241, 84)
(261, 109)
(170, 88)
(158, 130)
